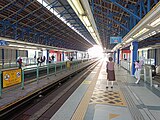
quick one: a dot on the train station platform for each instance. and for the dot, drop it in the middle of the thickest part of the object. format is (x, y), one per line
(126, 101)
(13, 94)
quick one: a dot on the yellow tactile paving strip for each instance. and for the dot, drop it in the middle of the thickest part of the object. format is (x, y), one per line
(82, 108)
(86, 82)
(100, 96)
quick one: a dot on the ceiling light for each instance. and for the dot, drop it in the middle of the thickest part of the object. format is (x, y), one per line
(158, 30)
(86, 20)
(141, 32)
(129, 40)
(90, 29)
(13, 45)
(144, 37)
(155, 23)
(94, 35)
(152, 33)
(31, 47)
(76, 5)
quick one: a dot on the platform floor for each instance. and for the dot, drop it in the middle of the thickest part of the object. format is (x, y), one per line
(126, 101)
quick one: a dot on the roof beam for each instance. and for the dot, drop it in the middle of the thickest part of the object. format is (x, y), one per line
(20, 10)
(108, 16)
(125, 9)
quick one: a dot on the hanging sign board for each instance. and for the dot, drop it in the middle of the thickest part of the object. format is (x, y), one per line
(11, 77)
(114, 40)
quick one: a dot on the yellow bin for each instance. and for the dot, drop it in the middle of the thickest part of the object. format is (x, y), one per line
(68, 64)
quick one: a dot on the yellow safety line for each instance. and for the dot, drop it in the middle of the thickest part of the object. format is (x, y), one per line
(82, 108)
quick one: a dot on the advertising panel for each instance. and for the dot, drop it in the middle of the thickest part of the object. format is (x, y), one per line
(11, 77)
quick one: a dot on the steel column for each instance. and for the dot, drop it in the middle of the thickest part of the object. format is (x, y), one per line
(118, 55)
(134, 49)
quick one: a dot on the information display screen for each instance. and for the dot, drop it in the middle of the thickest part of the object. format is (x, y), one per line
(115, 40)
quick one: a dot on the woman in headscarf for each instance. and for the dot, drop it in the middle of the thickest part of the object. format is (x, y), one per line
(110, 71)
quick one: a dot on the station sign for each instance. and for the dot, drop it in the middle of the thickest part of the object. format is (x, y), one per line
(3, 43)
(115, 40)
(11, 77)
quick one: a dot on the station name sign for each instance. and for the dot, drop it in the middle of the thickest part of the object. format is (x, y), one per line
(114, 40)
(3, 43)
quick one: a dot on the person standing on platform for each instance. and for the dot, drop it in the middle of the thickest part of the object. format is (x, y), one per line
(19, 62)
(138, 67)
(110, 72)
(53, 58)
(72, 58)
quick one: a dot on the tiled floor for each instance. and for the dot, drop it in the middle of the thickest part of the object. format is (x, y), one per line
(126, 101)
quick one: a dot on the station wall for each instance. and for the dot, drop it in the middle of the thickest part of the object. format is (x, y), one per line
(10, 54)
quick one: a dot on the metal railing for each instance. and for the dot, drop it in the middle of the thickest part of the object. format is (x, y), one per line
(50, 69)
(5, 63)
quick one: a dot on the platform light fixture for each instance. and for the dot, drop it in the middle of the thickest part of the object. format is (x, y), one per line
(158, 30)
(141, 32)
(76, 5)
(152, 33)
(144, 37)
(91, 29)
(13, 45)
(80, 11)
(129, 40)
(86, 21)
(155, 23)
(31, 47)
(93, 34)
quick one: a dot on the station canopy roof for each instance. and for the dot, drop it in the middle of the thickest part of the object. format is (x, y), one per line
(55, 23)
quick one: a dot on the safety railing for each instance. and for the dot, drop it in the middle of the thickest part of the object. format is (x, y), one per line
(125, 64)
(5, 63)
(8, 63)
(46, 71)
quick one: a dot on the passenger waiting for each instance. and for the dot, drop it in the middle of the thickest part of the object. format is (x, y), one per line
(19, 62)
(138, 67)
(38, 61)
(110, 72)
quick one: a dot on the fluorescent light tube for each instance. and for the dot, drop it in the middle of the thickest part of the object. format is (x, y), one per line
(158, 30)
(141, 32)
(78, 6)
(155, 23)
(129, 40)
(90, 29)
(94, 35)
(13, 45)
(86, 20)
(152, 33)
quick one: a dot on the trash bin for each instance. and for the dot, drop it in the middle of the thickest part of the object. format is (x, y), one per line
(68, 64)
(153, 70)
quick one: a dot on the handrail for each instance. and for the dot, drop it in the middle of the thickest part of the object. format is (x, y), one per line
(48, 67)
